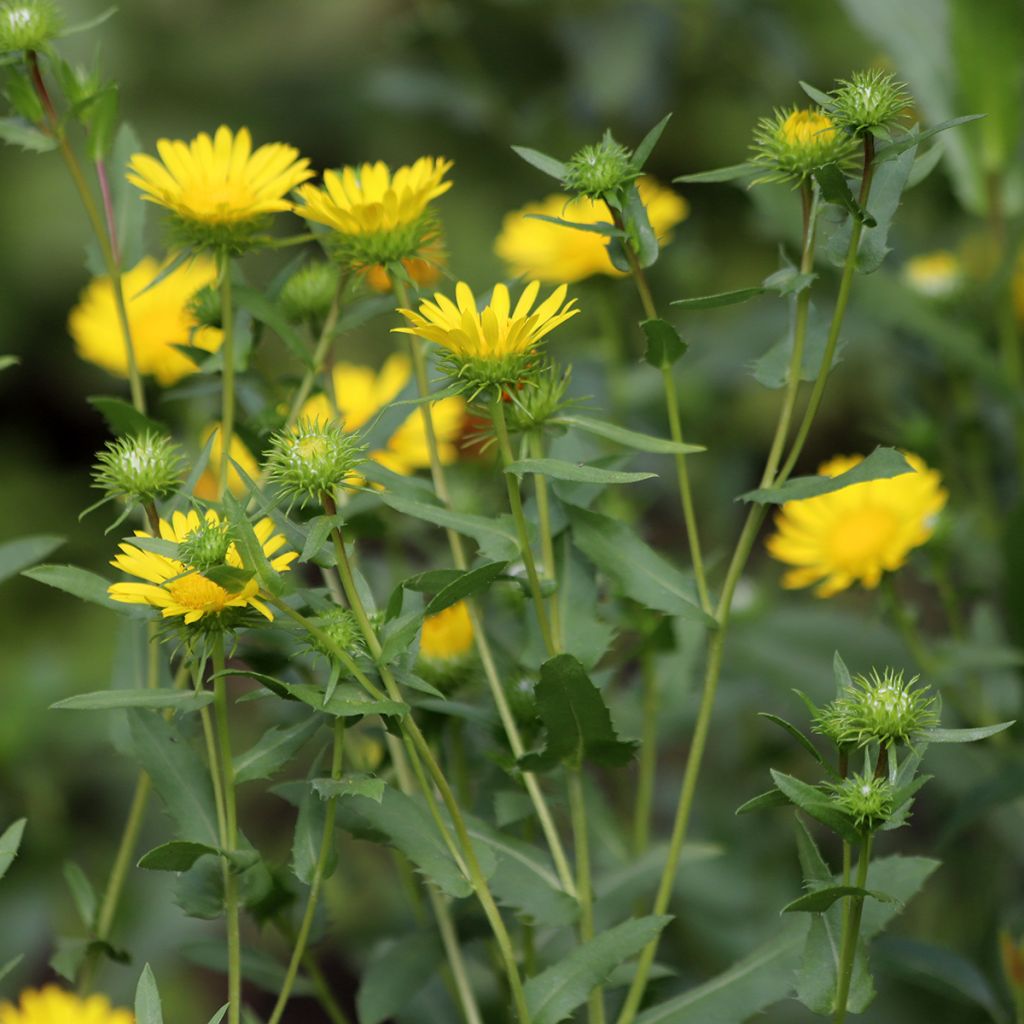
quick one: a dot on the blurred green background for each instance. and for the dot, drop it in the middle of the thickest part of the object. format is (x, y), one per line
(356, 80)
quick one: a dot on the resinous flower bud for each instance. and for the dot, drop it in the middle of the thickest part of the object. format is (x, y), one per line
(207, 545)
(141, 468)
(867, 800)
(341, 628)
(540, 401)
(872, 101)
(597, 170)
(792, 143)
(309, 293)
(27, 24)
(312, 458)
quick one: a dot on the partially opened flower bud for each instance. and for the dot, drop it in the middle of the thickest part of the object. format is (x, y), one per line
(792, 143)
(139, 468)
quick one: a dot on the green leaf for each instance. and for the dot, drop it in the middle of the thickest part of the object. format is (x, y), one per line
(578, 472)
(600, 228)
(274, 749)
(355, 784)
(843, 679)
(82, 584)
(129, 213)
(628, 438)
(347, 701)
(16, 555)
(308, 838)
(836, 190)
(981, 732)
(89, 23)
(220, 1014)
(497, 534)
(639, 234)
(763, 801)
(20, 133)
(464, 585)
(893, 149)
(177, 855)
(266, 312)
(586, 635)
(6, 362)
(229, 577)
(124, 418)
(147, 1000)
(735, 172)
(639, 571)
(320, 528)
(819, 900)
(9, 843)
(814, 802)
(664, 345)
(81, 893)
(800, 738)
(881, 464)
(821, 98)
(649, 141)
(397, 971)
(101, 120)
(107, 700)
(553, 994)
(812, 864)
(6, 968)
(547, 164)
(720, 299)
(577, 720)
(249, 546)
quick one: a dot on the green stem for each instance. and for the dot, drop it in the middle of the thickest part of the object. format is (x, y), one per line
(227, 352)
(323, 992)
(230, 837)
(648, 756)
(515, 502)
(547, 545)
(851, 933)
(578, 813)
(324, 856)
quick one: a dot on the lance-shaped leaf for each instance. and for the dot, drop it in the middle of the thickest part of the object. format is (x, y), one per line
(814, 802)
(627, 438)
(735, 172)
(647, 144)
(19, 554)
(893, 149)
(819, 900)
(664, 345)
(147, 1000)
(720, 298)
(107, 700)
(577, 720)
(80, 583)
(177, 855)
(395, 974)
(275, 748)
(9, 843)
(981, 732)
(123, 418)
(577, 472)
(548, 164)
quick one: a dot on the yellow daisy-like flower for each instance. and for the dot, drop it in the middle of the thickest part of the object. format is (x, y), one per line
(177, 588)
(857, 533)
(159, 317)
(207, 486)
(52, 1005)
(495, 332)
(936, 275)
(219, 182)
(448, 634)
(541, 251)
(362, 392)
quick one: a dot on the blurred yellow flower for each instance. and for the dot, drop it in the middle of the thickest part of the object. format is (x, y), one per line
(159, 318)
(180, 588)
(52, 1005)
(424, 270)
(857, 533)
(219, 181)
(936, 275)
(497, 331)
(448, 634)
(207, 487)
(541, 251)
(362, 392)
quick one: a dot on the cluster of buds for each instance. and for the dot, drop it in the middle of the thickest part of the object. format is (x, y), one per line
(312, 458)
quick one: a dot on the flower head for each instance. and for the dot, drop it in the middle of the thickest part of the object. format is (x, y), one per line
(160, 318)
(871, 101)
(183, 587)
(28, 24)
(219, 189)
(541, 251)
(448, 635)
(857, 533)
(311, 458)
(309, 293)
(597, 170)
(868, 801)
(792, 143)
(53, 1005)
(492, 346)
(141, 468)
(377, 217)
(936, 275)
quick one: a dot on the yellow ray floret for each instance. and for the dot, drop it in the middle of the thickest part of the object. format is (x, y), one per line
(220, 180)
(857, 533)
(179, 589)
(448, 634)
(52, 1005)
(369, 199)
(495, 331)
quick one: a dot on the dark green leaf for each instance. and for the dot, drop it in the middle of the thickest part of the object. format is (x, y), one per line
(177, 855)
(465, 585)
(893, 149)
(229, 577)
(763, 801)
(9, 843)
(881, 464)
(124, 418)
(548, 164)
(600, 228)
(497, 534)
(353, 784)
(107, 700)
(649, 141)
(275, 748)
(309, 835)
(347, 701)
(629, 438)
(82, 584)
(733, 173)
(836, 190)
(16, 555)
(266, 312)
(101, 119)
(981, 732)
(664, 345)
(258, 969)
(395, 974)
(81, 893)
(819, 900)
(720, 299)
(558, 469)
(814, 802)
(800, 738)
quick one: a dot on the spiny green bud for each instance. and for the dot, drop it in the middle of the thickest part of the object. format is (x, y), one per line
(872, 101)
(207, 545)
(867, 800)
(28, 24)
(312, 458)
(140, 469)
(879, 709)
(342, 630)
(540, 400)
(596, 170)
(792, 143)
(309, 293)
(205, 306)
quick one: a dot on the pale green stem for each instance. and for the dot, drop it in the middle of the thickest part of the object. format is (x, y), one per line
(851, 933)
(230, 837)
(578, 813)
(547, 545)
(326, 847)
(515, 502)
(227, 353)
(648, 756)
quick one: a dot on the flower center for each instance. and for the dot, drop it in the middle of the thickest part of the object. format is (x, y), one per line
(806, 126)
(228, 200)
(198, 593)
(861, 536)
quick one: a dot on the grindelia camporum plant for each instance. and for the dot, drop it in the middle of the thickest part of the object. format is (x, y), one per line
(398, 627)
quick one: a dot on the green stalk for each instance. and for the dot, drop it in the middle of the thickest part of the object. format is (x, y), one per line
(547, 546)
(851, 932)
(230, 838)
(515, 502)
(578, 812)
(648, 756)
(227, 353)
(326, 847)
(323, 992)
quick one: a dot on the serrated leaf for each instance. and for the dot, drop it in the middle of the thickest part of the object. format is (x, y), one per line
(553, 994)
(628, 438)
(664, 345)
(16, 555)
(273, 750)
(819, 900)
(308, 837)
(108, 700)
(397, 971)
(9, 843)
(354, 784)
(722, 174)
(177, 855)
(731, 298)
(547, 164)
(981, 732)
(147, 1000)
(578, 472)
(464, 585)
(881, 464)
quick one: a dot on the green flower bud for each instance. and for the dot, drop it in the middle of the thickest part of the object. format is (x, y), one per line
(541, 398)
(599, 169)
(27, 24)
(207, 545)
(867, 800)
(872, 101)
(205, 306)
(342, 629)
(309, 293)
(792, 143)
(312, 458)
(140, 469)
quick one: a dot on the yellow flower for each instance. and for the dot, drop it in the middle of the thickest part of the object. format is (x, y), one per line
(52, 1005)
(792, 143)
(207, 486)
(808, 128)
(177, 588)
(424, 270)
(448, 634)
(541, 251)
(159, 318)
(219, 182)
(936, 275)
(857, 533)
(362, 392)
(496, 332)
